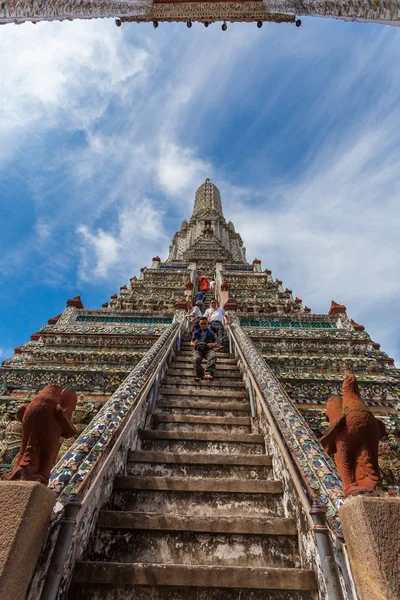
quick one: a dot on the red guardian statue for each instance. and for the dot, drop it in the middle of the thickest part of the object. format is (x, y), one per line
(44, 420)
(353, 439)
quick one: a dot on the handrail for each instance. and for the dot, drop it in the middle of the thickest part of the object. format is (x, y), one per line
(262, 379)
(68, 479)
(74, 510)
(292, 427)
(152, 381)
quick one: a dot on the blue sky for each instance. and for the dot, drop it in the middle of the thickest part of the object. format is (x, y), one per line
(106, 132)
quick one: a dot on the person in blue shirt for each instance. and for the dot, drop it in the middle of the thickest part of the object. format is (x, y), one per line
(200, 298)
(203, 341)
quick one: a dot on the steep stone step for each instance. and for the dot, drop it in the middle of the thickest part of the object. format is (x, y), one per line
(205, 391)
(199, 458)
(188, 359)
(219, 382)
(206, 427)
(189, 352)
(203, 445)
(187, 365)
(188, 374)
(83, 591)
(204, 405)
(112, 519)
(168, 464)
(195, 548)
(216, 471)
(161, 418)
(249, 438)
(203, 504)
(186, 423)
(203, 576)
(178, 484)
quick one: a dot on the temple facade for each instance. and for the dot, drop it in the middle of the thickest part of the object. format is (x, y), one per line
(259, 11)
(211, 489)
(94, 350)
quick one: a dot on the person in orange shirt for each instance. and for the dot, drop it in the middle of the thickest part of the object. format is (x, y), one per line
(203, 284)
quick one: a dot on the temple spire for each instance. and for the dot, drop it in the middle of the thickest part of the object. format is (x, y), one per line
(207, 201)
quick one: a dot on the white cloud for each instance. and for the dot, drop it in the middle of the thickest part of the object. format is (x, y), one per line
(61, 74)
(116, 255)
(5, 353)
(179, 169)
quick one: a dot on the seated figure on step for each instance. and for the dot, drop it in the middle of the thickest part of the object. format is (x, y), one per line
(193, 316)
(203, 341)
(216, 318)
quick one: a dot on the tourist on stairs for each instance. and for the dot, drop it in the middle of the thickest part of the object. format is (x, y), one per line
(193, 316)
(200, 298)
(203, 340)
(216, 318)
(203, 284)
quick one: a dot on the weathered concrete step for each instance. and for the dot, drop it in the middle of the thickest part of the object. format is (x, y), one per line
(182, 365)
(159, 418)
(242, 525)
(188, 358)
(249, 438)
(189, 373)
(197, 458)
(190, 383)
(192, 471)
(202, 504)
(205, 427)
(212, 447)
(83, 591)
(189, 353)
(153, 546)
(207, 576)
(204, 405)
(178, 484)
(209, 412)
(206, 391)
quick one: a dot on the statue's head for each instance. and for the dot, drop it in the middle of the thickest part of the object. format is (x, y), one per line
(333, 409)
(52, 392)
(350, 385)
(68, 401)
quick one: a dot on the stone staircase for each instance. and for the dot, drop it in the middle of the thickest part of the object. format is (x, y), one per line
(199, 514)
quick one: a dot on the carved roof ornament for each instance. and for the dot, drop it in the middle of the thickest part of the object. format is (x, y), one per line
(75, 302)
(357, 326)
(336, 309)
(54, 320)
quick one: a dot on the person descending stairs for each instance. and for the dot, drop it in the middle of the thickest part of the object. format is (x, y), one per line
(199, 514)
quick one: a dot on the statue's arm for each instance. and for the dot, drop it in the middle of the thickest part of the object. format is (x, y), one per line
(328, 441)
(67, 428)
(382, 429)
